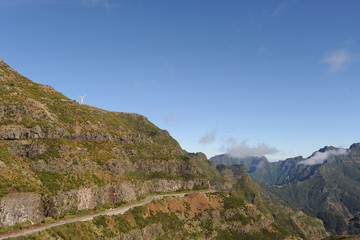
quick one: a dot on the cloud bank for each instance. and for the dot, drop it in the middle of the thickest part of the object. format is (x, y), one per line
(337, 60)
(243, 149)
(320, 157)
(208, 137)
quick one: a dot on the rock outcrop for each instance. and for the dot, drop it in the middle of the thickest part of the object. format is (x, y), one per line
(20, 207)
(88, 198)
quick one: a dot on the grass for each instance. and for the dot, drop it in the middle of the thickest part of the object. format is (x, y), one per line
(171, 224)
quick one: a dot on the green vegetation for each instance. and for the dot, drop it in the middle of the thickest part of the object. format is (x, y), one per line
(311, 188)
(343, 237)
(163, 175)
(49, 144)
(233, 202)
(169, 224)
(54, 181)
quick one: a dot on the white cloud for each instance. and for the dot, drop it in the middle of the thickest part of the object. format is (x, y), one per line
(338, 60)
(208, 137)
(243, 149)
(320, 157)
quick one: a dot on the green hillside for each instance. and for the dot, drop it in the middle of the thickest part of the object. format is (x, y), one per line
(59, 159)
(58, 156)
(329, 191)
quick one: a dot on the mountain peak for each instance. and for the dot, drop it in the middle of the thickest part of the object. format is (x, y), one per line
(328, 148)
(355, 146)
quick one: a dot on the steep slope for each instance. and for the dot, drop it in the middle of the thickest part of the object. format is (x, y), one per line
(294, 221)
(332, 192)
(328, 189)
(195, 216)
(59, 157)
(261, 170)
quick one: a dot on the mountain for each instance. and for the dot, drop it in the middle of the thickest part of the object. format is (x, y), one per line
(59, 157)
(325, 185)
(198, 215)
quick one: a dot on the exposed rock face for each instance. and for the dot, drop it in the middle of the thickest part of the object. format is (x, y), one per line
(12, 109)
(88, 198)
(14, 132)
(85, 199)
(20, 207)
(313, 228)
(222, 185)
(119, 165)
(171, 166)
(26, 149)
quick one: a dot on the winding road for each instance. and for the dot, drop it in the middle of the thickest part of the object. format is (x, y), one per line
(120, 210)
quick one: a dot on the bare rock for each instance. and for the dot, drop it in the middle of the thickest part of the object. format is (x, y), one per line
(85, 199)
(42, 99)
(20, 207)
(126, 191)
(170, 166)
(153, 231)
(119, 166)
(26, 149)
(123, 192)
(2, 165)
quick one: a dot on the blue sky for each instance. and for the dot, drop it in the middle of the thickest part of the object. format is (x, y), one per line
(279, 78)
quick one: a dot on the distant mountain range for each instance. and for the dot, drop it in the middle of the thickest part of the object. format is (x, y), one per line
(325, 185)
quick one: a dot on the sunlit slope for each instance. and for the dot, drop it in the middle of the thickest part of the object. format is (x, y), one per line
(71, 156)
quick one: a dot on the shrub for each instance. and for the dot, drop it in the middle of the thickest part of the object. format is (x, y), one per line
(233, 202)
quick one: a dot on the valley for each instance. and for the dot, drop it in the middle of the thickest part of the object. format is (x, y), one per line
(62, 160)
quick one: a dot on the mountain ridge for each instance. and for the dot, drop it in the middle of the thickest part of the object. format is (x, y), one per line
(60, 158)
(329, 190)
